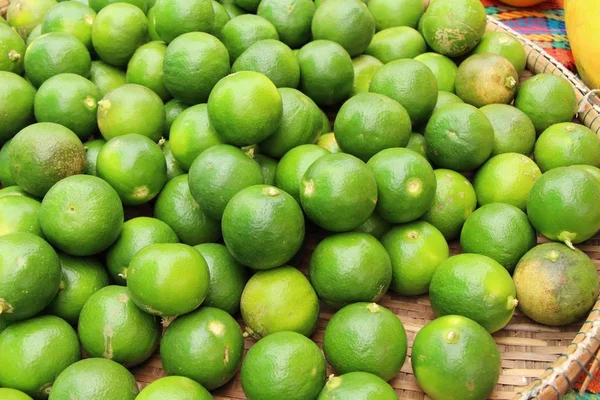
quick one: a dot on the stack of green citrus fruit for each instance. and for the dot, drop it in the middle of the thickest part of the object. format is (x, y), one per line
(165, 161)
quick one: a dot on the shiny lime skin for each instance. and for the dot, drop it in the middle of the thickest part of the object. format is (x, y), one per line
(364, 68)
(279, 299)
(113, 327)
(445, 98)
(146, 68)
(218, 174)
(269, 168)
(106, 77)
(136, 234)
(474, 286)
(173, 108)
(12, 51)
(455, 358)
(6, 178)
(173, 167)
(206, 346)
(174, 388)
(499, 231)
(357, 385)
(562, 205)
(156, 281)
(396, 43)
(273, 365)
(291, 18)
(375, 226)
(365, 337)
(417, 143)
(29, 275)
(227, 278)
(406, 184)
(81, 278)
(369, 123)
(81, 215)
(293, 165)
(513, 130)
(443, 68)
(221, 18)
(72, 17)
(338, 192)
(566, 144)
(100, 4)
(416, 250)
(95, 379)
(178, 17)
(13, 394)
(263, 227)
(135, 166)
(16, 104)
(176, 206)
(14, 191)
(19, 214)
(348, 268)
(92, 148)
(242, 32)
(505, 45)
(35, 352)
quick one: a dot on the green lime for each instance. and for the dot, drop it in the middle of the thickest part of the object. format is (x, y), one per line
(69, 100)
(396, 43)
(221, 18)
(174, 388)
(72, 17)
(391, 13)
(399, 79)
(137, 233)
(245, 108)
(81, 215)
(442, 67)
(146, 68)
(269, 168)
(484, 79)
(459, 137)
(232, 9)
(16, 104)
(566, 144)
(351, 267)
(56, 53)
(111, 326)
(326, 123)
(194, 63)
(328, 142)
(81, 277)
(279, 299)
(406, 184)
(416, 250)
(474, 286)
(97, 379)
(92, 148)
(556, 285)
(152, 34)
(364, 68)
(355, 385)
(456, 35)
(301, 123)
(130, 109)
(453, 357)
(191, 134)
(273, 365)
(505, 45)
(98, 5)
(227, 278)
(291, 18)
(547, 100)
(206, 346)
(35, 33)
(43, 154)
(562, 205)
(178, 17)
(218, 174)
(106, 77)
(29, 275)
(293, 165)
(154, 278)
(173, 167)
(499, 231)
(17, 191)
(375, 226)
(513, 130)
(263, 227)
(19, 214)
(365, 337)
(176, 206)
(369, 123)
(135, 166)
(347, 22)
(453, 203)
(416, 143)
(445, 98)
(338, 192)
(242, 32)
(326, 72)
(6, 178)
(506, 178)
(35, 352)
(12, 50)
(273, 59)
(24, 15)
(13, 394)
(118, 31)
(173, 108)
(247, 5)
(588, 168)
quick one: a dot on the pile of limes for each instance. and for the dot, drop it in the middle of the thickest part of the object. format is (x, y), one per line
(171, 163)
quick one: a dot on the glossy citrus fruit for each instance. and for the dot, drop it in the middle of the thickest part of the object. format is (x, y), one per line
(513, 130)
(178, 17)
(565, 144)
(293, 165)
(357, 385)
(291, 18)
(174, 388)
(505, 45)
(243, 31)
(396, 43)
(146, 68)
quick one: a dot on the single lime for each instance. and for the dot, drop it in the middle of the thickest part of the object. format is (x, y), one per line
(72, 17)
(355, 385)
(375, 226)
(566, 144)
(174, 169)
(294, 164)
(268, 167)
(19, 214)
(92, 148)
(6, 178)
(178, 17)
(106, 77)
(174, 388)
(442, 67)
(391, 13)
(364, 68)
(243, 31)
(417, 144)
(146, 68)
(513, 130)
(12, 51)
(396, 43)
(291, 18)
(505, 45)
(173, 108)
(16, 104)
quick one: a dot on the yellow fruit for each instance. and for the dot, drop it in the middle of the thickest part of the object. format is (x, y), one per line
(581, 17)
